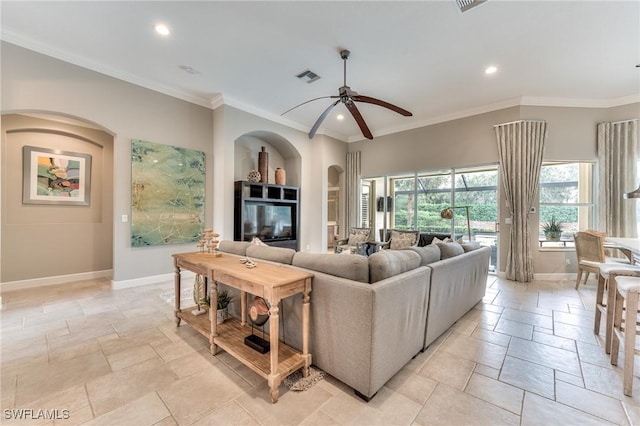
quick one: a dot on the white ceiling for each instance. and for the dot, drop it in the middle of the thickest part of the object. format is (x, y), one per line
(424, 56)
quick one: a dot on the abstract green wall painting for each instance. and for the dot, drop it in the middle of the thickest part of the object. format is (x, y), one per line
(167, 194)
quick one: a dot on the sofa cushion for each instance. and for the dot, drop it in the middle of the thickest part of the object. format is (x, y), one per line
(428, 254)
(358, 235)
(234, 247)
(274, 254)
(352, 267)
(450, 249)
(387, 263)
(470, 246)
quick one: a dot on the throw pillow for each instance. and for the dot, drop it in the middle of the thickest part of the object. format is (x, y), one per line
(437, 240)
(358, 236)
(451, 249)
(257, 242)
(402, 240)
(470, 246)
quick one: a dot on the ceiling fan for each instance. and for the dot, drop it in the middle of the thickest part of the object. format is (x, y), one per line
(349, 97)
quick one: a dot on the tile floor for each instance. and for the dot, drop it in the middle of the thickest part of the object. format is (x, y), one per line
(525, 355)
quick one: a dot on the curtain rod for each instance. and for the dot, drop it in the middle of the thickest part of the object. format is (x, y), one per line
(520, 121)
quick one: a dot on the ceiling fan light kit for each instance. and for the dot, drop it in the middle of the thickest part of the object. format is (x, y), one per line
(349, 98)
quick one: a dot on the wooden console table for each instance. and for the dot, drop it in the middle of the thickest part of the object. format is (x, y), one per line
(269, 281)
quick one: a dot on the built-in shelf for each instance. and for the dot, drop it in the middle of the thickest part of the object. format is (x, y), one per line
(268, 212)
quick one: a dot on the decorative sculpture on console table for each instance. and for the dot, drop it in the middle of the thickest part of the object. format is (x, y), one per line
(208, 244)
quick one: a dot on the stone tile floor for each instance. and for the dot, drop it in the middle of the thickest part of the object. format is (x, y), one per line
(525, 355)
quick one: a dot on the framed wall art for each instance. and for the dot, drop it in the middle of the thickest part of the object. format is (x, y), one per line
(167, 194)
(55, 177)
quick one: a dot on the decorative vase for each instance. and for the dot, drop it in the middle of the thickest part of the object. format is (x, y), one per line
(222, 314)
(263, 165)
(253, 176)
(281, 176)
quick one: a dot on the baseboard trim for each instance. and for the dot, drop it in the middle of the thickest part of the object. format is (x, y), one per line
(58, 279)
(555, 277)
(547, 277)
(153, 279)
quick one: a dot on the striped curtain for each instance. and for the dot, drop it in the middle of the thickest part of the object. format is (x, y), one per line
(352, 190)
(618, 157)
(521, 147)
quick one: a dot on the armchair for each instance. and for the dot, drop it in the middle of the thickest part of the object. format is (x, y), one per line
(355, 241)
(399, 239)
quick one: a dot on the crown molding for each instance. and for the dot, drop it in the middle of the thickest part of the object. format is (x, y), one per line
(218, 100)
(83, 62)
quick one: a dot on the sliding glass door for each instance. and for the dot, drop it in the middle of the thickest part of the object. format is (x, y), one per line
(459, 202)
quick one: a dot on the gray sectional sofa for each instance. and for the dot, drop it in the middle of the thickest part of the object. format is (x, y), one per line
(370, 316)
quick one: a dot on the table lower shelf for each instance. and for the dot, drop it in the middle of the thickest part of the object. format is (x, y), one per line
(230, 338)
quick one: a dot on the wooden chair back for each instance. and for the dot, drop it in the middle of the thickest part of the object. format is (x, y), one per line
(590, 246)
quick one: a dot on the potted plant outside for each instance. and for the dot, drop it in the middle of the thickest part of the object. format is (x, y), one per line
(552, 229)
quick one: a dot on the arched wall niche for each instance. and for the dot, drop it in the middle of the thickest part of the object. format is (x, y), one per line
(282, 153)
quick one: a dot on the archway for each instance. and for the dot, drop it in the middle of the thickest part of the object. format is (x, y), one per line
(64, 243)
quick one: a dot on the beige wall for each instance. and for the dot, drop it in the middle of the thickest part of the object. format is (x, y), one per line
(306, 162)
(43, 240)
(471, 141)
(32, 82)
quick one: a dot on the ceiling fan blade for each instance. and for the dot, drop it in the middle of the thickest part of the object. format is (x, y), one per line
(306, 102)
(374, 101)
(320, 119)
(358, 117)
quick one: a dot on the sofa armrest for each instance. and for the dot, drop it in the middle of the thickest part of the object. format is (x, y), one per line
(361, 333)
(457, 285)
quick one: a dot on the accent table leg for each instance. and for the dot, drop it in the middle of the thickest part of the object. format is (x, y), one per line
(305, 327)
(176, 285)
(274, 377)
(213, 318)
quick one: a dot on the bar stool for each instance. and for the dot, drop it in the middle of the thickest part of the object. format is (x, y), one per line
(627, 289)
(604, 272)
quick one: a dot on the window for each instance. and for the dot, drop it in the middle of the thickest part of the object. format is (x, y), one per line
(566, 194)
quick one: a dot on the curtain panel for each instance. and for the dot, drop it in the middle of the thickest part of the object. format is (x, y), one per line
(352, 190)
(521, 149)
(617, 157)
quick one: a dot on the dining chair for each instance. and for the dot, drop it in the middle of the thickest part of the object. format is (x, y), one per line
(590, 253)
(625, 322)
(606, 272)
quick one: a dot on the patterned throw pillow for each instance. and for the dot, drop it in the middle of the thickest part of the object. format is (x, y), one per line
(358, 236)
(402, 240)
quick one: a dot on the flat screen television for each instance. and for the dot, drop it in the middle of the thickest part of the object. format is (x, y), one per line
(269, 222)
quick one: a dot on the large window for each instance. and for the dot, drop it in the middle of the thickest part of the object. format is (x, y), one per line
(471, 194)
(566, 195)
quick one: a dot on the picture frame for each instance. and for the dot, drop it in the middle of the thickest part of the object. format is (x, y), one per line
(55, 177)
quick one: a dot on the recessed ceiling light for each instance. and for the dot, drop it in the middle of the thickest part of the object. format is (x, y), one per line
(490, 70)
(162, 29)
(188, 69)
(340, 117)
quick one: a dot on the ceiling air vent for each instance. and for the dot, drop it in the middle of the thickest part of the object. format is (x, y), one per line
(465, 5)
(309, 75)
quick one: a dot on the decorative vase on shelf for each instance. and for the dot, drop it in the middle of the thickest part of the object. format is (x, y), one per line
(253, 176)
(263, 165)
(281, 176)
